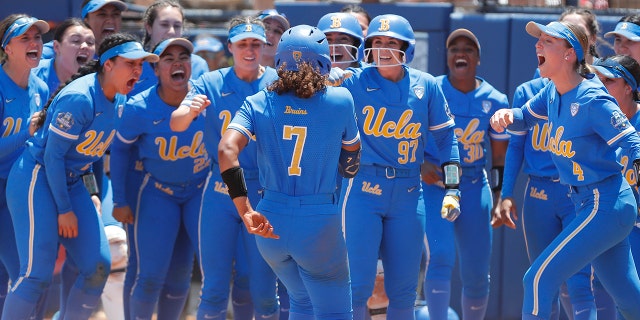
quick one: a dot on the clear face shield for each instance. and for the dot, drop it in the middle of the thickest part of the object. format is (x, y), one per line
(385, 57)
(343, 55)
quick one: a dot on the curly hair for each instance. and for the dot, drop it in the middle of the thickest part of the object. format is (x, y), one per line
(303, 83)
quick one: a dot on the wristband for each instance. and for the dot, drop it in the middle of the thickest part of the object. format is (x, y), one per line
(234, 179)
(89, 180)
(496, 174)
(451, 172)
(636, 168)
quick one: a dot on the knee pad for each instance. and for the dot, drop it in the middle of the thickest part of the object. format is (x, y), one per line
(117, 246)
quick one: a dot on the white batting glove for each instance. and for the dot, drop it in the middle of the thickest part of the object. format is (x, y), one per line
(451, 205)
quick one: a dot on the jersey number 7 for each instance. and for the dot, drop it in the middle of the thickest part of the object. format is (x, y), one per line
(301, 137)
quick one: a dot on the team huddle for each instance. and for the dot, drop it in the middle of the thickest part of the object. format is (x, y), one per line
(289, 175)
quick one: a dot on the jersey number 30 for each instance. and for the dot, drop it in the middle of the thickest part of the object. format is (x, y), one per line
(301, 136)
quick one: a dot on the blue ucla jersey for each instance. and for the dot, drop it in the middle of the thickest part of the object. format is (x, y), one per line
(585, 118)
(46, 71)
(148, 77)
(169, 156)
(16, 107)
(471, 112)
(79, 128)
(627, 163)
(394, 117)
(298, 140)
(227, 92)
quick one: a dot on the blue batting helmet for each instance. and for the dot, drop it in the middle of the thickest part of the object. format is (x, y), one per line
(341, 22)
(393, 26)
(303, 43)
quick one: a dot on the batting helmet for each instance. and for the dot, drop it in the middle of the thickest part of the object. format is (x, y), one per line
(393, 26)
(303, 43)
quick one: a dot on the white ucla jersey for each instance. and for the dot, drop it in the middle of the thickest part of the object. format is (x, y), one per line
(16, 107)
(298, 140)
(586, 127)
(395, 117)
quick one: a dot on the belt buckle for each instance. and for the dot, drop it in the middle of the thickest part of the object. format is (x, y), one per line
(390, 174)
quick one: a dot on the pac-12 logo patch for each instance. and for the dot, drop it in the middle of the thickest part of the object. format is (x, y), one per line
(36, 98)
(297, 55)
(619, 120)
(120, 110)
(64, 121)
(486, 106)
(574, 108)
(419, 91)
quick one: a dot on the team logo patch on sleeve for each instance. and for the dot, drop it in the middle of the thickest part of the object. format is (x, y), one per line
(64, 121)
(448, 111)
(419, 91)
(619, 121)
(36, 98)
(574, 108)
(486, 106)
(120, 110)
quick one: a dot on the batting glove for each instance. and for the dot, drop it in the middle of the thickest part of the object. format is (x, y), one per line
(451, 205)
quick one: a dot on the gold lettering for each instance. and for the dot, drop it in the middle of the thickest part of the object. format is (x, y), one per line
(403, 129)
(93, 145)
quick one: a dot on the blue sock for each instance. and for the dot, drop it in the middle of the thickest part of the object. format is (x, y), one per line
(555, 310)
(141, 310)
(68, 276)
(400, 313)
(359, 313)
(16, 307)
(606, 307)
(80, 305)
(283, 296)
(438, 295)
(585, 311)
(171, 302)
(565, 301)
(242, 303)
(474, 308)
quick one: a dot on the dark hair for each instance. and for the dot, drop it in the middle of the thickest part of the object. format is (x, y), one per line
(304, 83)
(356, 9)
(150, 15)
(66, 24)
(92, 66)
(590, 20)
(632, 66)
(238, 20)
(4, 25)
(633, 18)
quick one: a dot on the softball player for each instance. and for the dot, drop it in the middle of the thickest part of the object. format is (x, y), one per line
(275, 23)
(546, 207)
(175, 167)
(162, 20)
(396, 107)
(345, 39)
(22, 95)
(586, 126)
(45, 187)
(227, 88)
(472, 101)
(627, 36)
(289, 121)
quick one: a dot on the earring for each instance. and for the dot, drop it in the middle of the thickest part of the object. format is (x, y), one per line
(566, 58)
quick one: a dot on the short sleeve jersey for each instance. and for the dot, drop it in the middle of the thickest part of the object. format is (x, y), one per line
(46, 71)
(148, 77)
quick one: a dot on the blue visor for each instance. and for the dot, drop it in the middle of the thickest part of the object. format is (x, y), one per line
(20, 26)
(208, 44)
(614, 70)
(556, 30)
(246, 30)
(95, 5)
(129, 50)
(162, 46)
(626, 29)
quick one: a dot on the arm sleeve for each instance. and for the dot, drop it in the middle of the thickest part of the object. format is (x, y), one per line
(447, 145)
(54, 159)
(129, 130)
(513, 163)
(13, 142)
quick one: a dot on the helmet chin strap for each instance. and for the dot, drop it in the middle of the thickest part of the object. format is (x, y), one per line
(369, 56)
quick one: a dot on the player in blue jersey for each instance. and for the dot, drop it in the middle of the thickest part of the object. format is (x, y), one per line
(345, 39)
(275, 23)
(305, 135)
(47, 198)
(226, 89)
(22, 95)
(175, 167)
(627, 36)
(162, 20)
(585, 128)
(472, 101)
(74, 46)
(397, 107)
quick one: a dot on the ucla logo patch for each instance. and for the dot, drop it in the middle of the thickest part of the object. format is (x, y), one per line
(36, 98)
(64, 121)
(619, 120)
(419, 91)
(486, 106)
(297, 55)
(574, 108)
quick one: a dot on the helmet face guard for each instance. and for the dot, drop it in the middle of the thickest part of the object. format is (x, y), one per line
(393, 26)
(303, 43)
(375, 57)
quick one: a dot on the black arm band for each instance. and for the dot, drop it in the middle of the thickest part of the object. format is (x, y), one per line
(451, 172)
(497, 173)
(636, 168)
(89, 180)
(234, 179)
(349, 163)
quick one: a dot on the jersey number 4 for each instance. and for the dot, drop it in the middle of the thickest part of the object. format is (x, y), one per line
(301, 136)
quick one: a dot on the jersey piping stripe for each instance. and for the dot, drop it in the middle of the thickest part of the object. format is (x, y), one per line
(630, 129)
(444, 125)
(535, 114)
(144, 183)
(592, 214)
(204, 190)
(517, 133)
(344, 207)
(123, 139)
(352, 141)
(62, 133)
(523, 216)
(242, 130)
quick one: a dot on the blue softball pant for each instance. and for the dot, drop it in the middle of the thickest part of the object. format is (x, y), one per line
(8, 251)
(310, 257)
(220, 226)
(606, 212)
(162, 211)
(381, 221)
(470, 235)
(546, 210)
(35, 219)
